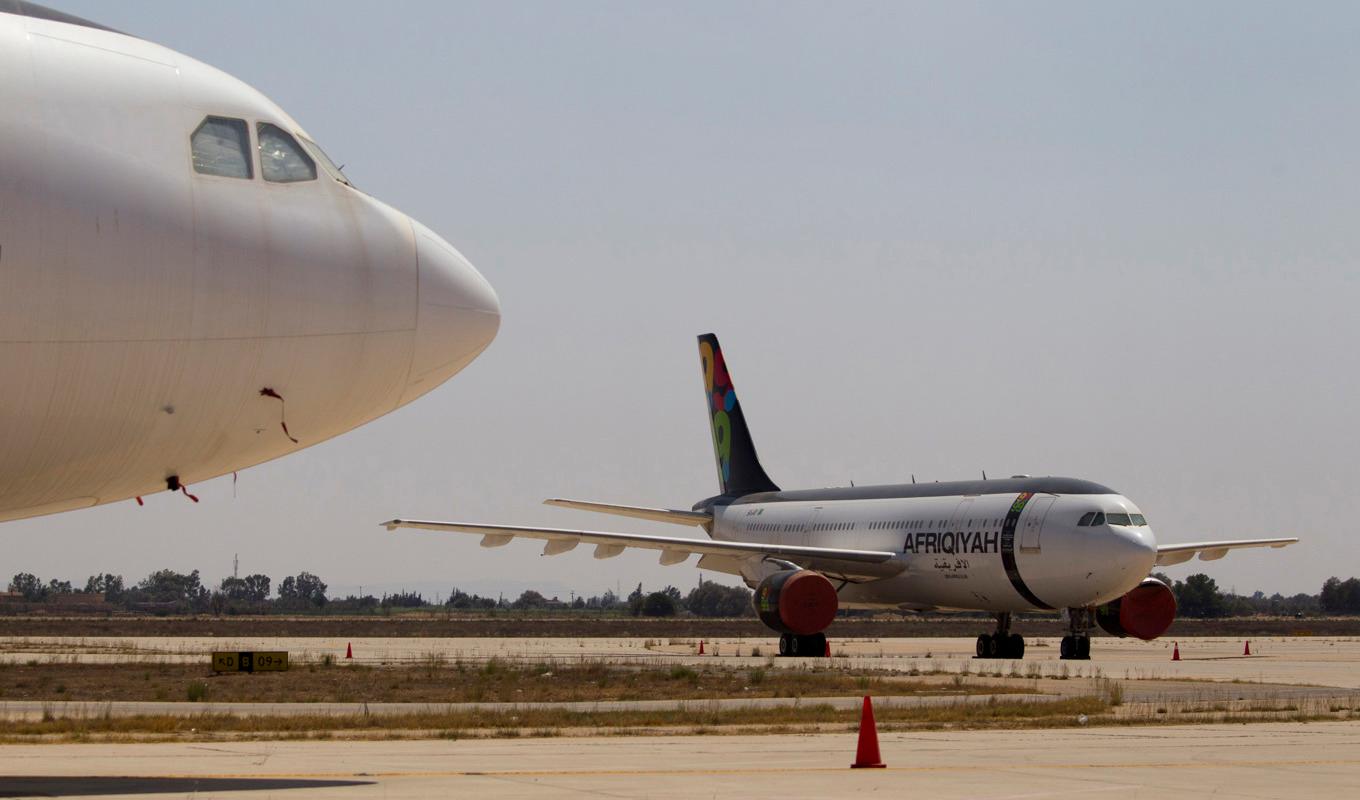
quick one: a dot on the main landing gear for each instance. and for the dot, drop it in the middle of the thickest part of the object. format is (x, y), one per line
(1076, 645)
(1003, 643)
(813, 646)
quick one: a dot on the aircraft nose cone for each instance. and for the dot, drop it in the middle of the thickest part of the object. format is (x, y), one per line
(1134, 550)
(458, 313)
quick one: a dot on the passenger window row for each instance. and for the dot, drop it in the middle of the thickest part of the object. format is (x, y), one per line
(221, 146)
(901, 524)
(920, 524)
(1091, 518)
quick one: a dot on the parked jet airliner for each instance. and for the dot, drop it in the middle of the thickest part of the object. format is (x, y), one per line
(188, 285)
(1003, 546)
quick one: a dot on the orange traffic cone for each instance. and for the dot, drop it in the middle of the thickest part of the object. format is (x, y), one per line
(1246, 648)
(1176, 652)
(866, 754)
(349, 650)
(701, 647)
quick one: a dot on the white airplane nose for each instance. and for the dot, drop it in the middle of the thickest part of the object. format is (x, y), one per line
(1133, 550)
(458, 313)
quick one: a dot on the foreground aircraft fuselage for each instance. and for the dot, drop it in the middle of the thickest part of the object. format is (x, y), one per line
(183, 272)
(1003, 546)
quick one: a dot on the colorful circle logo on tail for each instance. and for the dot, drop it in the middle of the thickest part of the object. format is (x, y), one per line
(722, 442)
(706, 355)
(721, 379)
(721, 399)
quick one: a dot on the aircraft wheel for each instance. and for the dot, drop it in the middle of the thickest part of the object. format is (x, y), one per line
(995, 646)
(1015, 646)
(786, 645)
(814, 646)
(984, 643)
(1065, 650)
(1084, 648)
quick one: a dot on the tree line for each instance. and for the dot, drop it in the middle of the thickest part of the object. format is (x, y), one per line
(171, 591)
(168, 591)
(708, 599)
(1199, 596)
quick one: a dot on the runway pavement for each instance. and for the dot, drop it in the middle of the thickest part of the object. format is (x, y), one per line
(1261, 762)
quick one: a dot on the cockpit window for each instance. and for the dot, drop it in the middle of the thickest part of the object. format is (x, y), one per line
(1113, 518)
(1126, 519)
(282, 160)
(221, 146)
(324, 160)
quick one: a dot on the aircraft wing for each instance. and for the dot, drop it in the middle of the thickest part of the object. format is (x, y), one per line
(673, 516)
(1168, 554)
(870, 564)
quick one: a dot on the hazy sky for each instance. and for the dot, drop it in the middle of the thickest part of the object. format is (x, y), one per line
(1118, 242)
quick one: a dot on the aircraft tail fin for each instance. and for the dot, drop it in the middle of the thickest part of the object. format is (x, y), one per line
(739, 470)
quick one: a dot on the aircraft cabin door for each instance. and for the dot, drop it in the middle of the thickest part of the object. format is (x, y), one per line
(810, 527)
(959, 521)
(1033, 523)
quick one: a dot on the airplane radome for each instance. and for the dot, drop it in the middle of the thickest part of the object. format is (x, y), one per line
(1003, 546)
(188, 285)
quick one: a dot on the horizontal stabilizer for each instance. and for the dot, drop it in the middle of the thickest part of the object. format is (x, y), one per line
(673, 516)
(1168, 554)
(857, 564)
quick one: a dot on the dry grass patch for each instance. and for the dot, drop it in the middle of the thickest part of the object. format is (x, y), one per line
(437, 679)
(545, 721)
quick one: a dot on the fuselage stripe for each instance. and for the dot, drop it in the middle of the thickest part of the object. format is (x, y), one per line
(1008, 550)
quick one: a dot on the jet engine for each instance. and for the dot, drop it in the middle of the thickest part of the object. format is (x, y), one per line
(1145, 612)
(796, 602)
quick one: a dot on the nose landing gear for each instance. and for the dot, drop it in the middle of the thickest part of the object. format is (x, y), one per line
(1076, 646)
(796, 646)
(1003, 643)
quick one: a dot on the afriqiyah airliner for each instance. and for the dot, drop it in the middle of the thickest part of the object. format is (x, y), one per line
(188, 285)
(1019, 544)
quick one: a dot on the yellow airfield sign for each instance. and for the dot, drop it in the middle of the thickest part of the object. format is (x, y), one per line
(250, 661)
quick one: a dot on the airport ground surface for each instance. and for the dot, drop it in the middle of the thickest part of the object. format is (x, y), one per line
(1261, 762)
(1310, 660)
(549, 717)
(518, 624)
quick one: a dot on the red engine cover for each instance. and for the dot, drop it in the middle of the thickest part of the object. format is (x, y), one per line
(1145, 613)
(800, 602)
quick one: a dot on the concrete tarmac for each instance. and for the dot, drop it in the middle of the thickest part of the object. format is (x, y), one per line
(1260, 762)
(1305, 660)
(79, 709)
